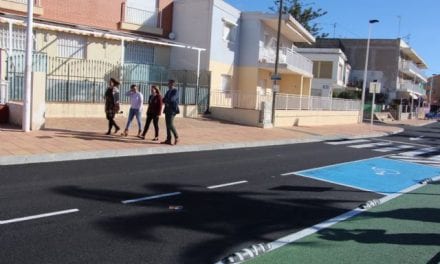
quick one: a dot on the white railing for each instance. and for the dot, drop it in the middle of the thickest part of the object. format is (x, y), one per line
(141, 17)
(287, 56)
(409, 86)
(297, 102)
(411, 68)
(237, 99)
(24, 2)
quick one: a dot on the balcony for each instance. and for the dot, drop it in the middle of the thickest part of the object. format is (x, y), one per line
(20, 6)
(411, 69)
(135, 19)
(410, 87)
(288, 59)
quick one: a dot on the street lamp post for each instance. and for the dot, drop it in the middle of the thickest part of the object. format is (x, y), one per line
(364, 84)
(27, 95)
(430, 91)
(275, 77)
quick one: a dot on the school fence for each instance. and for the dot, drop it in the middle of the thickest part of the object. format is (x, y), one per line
(85, 81)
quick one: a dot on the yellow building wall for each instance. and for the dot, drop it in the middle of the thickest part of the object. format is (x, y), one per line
(217, 70)
(288, 118)
(46, 41)
(248, 79)
(307, 86)
(290, 84)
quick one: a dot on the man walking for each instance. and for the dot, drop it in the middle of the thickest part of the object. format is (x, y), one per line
(171, 102)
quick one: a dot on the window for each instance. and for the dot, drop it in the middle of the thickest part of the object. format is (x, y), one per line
(322, 69)
(139, 53)
(71, 46)
(18, 37)
(226, 82)
(229, 31)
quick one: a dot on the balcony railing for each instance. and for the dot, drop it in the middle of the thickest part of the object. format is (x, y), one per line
(317, 103)
(409, 86)
(142, 17)
(24, 2)
(287, 56)
(238, 99)
(411, 68)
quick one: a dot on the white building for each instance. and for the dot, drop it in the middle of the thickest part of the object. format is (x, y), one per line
(331, 70)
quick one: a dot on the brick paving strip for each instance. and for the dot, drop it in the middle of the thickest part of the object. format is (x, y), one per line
(83, 138)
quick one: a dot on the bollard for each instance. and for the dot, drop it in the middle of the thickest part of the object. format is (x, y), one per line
(246, 254)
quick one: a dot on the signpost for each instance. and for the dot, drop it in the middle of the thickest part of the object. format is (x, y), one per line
(374, 88)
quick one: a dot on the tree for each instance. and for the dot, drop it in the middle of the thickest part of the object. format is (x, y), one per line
(304, 14)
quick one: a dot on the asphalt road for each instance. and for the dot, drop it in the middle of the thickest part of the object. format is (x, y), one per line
(215, 220)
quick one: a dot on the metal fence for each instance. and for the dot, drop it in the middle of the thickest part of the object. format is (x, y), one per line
(85, 81)
(296, 102)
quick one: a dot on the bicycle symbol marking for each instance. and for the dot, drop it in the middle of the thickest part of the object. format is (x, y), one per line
(383, 171)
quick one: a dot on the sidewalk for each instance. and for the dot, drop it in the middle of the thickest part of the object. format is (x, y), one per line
(80, 138)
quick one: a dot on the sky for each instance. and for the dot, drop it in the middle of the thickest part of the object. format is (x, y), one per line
(419, 22)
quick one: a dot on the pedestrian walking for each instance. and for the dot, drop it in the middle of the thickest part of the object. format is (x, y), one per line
(153, 112)
(111, 97)
(136, 103)
(171, 102)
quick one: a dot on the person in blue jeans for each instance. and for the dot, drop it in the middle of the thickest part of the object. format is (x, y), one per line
(171, 102)
(136, 102)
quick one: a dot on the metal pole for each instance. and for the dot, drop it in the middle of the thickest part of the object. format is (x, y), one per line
(26, 120)
(372, 107)
(121, 72)
(274, 93)
(364, 84)
(198, 81)
(430, 91)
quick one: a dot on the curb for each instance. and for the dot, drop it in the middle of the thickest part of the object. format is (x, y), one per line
(132, 152)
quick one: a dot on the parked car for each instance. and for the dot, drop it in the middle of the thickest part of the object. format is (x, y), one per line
(433, 115)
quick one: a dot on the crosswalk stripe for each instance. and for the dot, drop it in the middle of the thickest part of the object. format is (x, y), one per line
(436, 157)
(346, 142)
(370, 145)
(417, 152)
(389, 149)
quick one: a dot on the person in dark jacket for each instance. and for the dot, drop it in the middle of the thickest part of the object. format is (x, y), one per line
(112, 105)
(171, 102)
(153, 112)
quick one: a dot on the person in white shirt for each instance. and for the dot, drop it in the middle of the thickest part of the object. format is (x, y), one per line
(136, 102)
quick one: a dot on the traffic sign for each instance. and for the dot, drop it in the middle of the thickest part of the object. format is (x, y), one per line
(375, 87)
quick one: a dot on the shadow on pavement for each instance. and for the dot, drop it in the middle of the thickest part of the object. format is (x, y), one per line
(212, 223)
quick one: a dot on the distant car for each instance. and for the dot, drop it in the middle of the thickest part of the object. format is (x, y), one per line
(432, 115)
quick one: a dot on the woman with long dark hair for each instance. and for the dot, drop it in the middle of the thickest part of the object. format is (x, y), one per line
(112, 105)
(153, 112)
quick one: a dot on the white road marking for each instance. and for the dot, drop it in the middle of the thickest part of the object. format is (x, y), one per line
(150, 197)
(401, 142)
(226, 184)
(345, 142)
(417, 152)
(370, 145)
(311, 230)
(27, 218)
(389, 149)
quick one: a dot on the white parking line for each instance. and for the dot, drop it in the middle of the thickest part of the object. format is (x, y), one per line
(27, 218)
(226, 184)
(150, 197)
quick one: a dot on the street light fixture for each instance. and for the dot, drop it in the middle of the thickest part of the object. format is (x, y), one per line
(364, 84)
